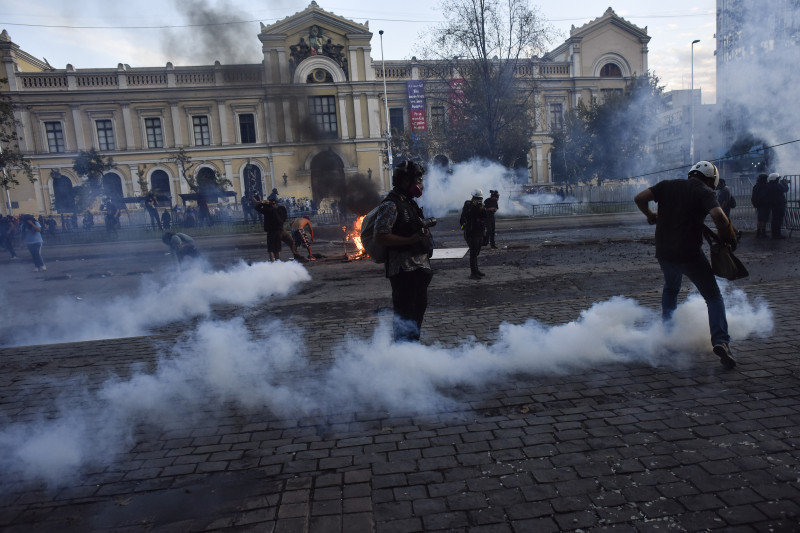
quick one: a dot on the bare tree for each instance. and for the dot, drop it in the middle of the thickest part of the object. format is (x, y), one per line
(483, 58)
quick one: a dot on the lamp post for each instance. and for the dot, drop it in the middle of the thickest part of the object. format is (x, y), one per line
(691, 104)
(386, 107)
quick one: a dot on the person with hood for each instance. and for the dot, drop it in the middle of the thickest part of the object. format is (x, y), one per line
(473, 222)
(401, 228)
(776, 197)
(683, 205)
(759, 199)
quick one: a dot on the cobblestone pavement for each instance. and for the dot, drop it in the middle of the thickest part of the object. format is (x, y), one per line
(623, 446)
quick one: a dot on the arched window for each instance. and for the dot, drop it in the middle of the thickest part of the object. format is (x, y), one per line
(64, 195)
(112, 187)
(610, 70)
(159, 183)
(252, 181)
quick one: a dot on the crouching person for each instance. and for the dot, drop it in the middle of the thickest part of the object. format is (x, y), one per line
(181, 245)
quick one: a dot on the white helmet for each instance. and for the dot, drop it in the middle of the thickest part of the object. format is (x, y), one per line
(477, 193)
(708, 170)
(774, 177)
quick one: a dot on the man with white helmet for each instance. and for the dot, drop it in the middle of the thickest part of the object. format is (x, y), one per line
(473, 222)
(682, 209)
(776, 198)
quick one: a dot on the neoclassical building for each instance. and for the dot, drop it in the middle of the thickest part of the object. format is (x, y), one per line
(306, 120)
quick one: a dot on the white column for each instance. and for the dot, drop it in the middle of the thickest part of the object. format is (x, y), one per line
(137, 189)
(358, 119)
(272, 121)
(353, 64)
(37, 188)
(287, 120)
(223, 123)
(374, 116)
(25, 140)
(176, 126)
(128, 126)
(343, 116)
(76, 120)
(283, 66)
(268, 121)
(541, 165)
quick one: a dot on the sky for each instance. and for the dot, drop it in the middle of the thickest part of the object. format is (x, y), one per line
(148, 33)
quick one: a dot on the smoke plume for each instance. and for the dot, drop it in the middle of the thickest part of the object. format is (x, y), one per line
(224, 364)
(161, 299)
(210, 37)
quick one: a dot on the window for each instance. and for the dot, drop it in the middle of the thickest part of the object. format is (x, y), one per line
(105, 135)
(323, 114)
(155, 138)
(247, 128)
(610, 70)
(437, 118)
(556, 117)
(202, 136)
(610, 94)
(159, 183)
(396, 123)
(55, 136)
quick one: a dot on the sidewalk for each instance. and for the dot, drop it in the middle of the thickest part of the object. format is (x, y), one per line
(682, 445)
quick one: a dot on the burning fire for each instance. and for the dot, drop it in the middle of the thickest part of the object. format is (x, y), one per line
(355, 237)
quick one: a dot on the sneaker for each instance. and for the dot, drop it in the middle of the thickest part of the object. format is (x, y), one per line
(36, 270)
(475, 275)
(44, 268)
(481, 274)
(725, 355)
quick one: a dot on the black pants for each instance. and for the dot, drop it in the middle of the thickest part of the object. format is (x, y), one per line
(475, 243)
(490, 226)
(410, 300)
(778, 213)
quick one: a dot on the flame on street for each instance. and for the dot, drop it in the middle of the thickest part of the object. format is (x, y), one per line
(355, 237)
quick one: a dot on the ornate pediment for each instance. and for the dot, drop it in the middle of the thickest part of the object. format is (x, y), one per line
(317, 43)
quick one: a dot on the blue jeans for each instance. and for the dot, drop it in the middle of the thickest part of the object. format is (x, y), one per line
(699, 272)
(36, 254)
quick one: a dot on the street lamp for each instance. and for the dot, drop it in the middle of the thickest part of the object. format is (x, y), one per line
(386, 106)
(691, 103)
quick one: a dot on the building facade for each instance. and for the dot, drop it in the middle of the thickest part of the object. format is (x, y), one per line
(305, 121)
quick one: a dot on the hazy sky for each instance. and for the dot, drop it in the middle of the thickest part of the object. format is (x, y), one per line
(90, 33)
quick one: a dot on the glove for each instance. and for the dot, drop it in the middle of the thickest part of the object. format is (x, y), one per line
(728, 235)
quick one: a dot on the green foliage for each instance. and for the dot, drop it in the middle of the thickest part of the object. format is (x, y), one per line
(12, 163)
(92, 165)
(612, 140)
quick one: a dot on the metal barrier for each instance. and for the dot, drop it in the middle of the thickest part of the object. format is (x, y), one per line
(582, 208)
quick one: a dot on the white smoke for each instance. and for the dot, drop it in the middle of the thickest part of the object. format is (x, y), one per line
(222, 365)
(759, 78)
(448, 190)
(161, 299)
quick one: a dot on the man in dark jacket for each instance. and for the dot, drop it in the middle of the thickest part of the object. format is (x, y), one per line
(776, 197)
(760, 201)
(401, 228)
(682, 209)
(473, 222)
(273, 225)
(491, 208)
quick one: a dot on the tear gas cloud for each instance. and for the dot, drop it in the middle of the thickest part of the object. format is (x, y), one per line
(447, 191)
(160, 300)
(758, 87)
(224, 364)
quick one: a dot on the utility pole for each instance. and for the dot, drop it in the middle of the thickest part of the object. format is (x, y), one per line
(386, 107)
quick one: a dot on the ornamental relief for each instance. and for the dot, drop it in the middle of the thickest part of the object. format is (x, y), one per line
(317, 44)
